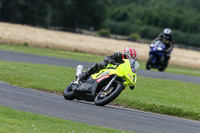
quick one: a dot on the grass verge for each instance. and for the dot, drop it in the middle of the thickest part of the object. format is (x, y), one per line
(21, 122)
(87, 57)
(163, 96)
(155, 95)
(36, 76)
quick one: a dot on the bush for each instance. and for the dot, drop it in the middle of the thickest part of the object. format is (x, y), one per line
(121, 28)
(26, 44)
(134, 36)
(104, 33)
(149, 32)
(187, 39)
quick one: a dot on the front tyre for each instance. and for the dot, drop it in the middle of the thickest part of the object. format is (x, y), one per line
(162, 67)
(149, 62)
(105, 97)
(68, 93)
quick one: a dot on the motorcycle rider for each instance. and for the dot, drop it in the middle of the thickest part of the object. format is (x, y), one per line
(116, 58)
(167, 38)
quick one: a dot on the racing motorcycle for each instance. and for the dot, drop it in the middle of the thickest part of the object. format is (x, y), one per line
(156, 56)
(104, 86)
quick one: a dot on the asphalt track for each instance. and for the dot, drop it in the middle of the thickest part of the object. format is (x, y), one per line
(107, 116)
(30, 58)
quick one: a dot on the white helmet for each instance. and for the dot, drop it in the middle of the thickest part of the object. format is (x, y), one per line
(167, 31)
(167, 35)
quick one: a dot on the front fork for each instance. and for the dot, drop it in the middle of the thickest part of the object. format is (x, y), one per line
(109, 84)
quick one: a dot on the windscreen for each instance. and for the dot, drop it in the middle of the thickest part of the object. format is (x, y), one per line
(134, 65)
(159, 43)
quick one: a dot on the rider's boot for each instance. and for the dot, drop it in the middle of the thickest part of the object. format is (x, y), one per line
(87, 74)
(90, 71)
(79, 71)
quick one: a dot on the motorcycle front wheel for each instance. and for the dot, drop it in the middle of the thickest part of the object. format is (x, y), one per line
(162, 67)
(69, 93)
(149, 62)
(105, 97)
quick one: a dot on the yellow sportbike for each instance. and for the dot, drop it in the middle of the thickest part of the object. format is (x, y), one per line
(104, 86)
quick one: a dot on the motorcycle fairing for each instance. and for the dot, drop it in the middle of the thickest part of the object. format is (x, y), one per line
(101, 78)
(157, 52)
(85, 91)
(127, 70)
(157, 48)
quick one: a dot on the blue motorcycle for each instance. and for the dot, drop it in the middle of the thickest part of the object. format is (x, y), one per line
(157, 56)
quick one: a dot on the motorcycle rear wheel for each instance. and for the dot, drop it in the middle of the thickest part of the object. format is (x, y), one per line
(104, 98)
(68, 93)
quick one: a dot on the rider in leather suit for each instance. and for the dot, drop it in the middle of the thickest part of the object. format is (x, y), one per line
(112, 59)
(167, 38)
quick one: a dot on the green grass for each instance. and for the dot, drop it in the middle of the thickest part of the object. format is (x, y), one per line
(23, 122)
(183, 71)
(36, 76)
(88, 57)
(154, 95)
(164, 97)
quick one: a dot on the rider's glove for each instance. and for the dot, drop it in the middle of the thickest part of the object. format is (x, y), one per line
(132, 87)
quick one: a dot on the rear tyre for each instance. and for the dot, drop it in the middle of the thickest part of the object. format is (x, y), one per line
(69, 93)
(104, 98)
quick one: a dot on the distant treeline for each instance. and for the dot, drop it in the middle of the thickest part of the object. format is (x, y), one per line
(149, 17)
(69, 14)
(146, 18)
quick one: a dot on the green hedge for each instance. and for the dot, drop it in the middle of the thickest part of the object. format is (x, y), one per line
(104, 33)
(150, 32)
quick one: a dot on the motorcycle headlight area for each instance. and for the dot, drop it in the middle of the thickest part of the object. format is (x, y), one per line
(160, 49)
(152, 45)
(134, 65)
